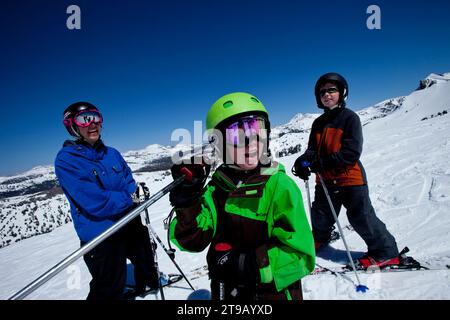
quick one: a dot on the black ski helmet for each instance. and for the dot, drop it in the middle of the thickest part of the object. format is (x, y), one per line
(337, 79)
(70, 113)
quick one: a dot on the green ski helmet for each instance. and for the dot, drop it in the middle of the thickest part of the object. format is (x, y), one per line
(232, 105)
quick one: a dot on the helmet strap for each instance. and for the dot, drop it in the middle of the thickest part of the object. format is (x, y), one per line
(76, 131)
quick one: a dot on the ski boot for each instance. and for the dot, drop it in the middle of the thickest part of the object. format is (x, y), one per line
(408, 262)
(369, 262)
(333, 237)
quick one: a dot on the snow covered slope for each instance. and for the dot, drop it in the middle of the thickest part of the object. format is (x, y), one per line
(32, 203)
(406, 156)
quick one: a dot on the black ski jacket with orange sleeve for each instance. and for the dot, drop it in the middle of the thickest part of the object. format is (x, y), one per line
(337, 140)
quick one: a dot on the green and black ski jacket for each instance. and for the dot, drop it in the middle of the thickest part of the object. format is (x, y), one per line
(265, 213)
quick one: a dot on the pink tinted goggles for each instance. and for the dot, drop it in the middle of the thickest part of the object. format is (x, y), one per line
(85, 117)
(240, 131)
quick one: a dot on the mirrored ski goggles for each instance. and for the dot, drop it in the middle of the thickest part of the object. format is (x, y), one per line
(238, 133)
(86, 117)
(328, 90)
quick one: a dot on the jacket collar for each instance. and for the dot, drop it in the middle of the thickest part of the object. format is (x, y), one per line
(334, 112)
(230, 180)
(83, 148)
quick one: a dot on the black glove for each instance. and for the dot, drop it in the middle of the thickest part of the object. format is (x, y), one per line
(237, 269)
(316, 166)
(300, 169)
(145, 190)
(305, 164)
(301, 165)
(185, 194)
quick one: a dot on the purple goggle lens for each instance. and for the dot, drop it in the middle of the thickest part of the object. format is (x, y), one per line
(238, 132)
(86, 117)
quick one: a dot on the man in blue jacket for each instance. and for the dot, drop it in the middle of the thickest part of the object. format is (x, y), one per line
(100, 188)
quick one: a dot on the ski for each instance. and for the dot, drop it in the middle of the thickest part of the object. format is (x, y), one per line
(198, 272)
(406, 264)
(338, 274)
(346, 269)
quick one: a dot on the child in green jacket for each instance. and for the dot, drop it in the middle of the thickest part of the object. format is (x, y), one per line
(250, 214)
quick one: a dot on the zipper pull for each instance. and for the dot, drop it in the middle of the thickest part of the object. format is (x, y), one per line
(98, 178)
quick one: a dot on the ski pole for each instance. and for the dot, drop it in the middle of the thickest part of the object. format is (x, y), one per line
(308, 196)
(304, 164)
(94, 242)
(155, 260)
(337, 274)
(359, 287)
(151, 239)
(170, 253)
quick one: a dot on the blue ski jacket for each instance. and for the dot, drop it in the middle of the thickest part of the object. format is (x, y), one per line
(98, 184)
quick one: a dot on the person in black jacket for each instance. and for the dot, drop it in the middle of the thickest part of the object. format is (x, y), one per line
(334, 150)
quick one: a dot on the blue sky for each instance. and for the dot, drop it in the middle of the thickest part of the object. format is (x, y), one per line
(154, 66)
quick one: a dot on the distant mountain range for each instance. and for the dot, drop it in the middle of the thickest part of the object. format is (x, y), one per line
(32, 203)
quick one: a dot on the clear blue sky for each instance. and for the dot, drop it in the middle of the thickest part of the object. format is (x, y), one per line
(154, 66)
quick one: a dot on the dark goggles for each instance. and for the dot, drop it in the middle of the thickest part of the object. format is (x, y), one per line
(86, 117)
(238, 133)
(328, 90)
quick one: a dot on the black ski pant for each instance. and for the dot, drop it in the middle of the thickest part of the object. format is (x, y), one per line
(361, 215)
(108, 266)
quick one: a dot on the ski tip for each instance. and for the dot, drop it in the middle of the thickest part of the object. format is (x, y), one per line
(361, 288)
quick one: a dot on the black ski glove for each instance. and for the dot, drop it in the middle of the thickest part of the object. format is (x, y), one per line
(305, 164)
(316, 166)
(185, 194)
(237, 269)
(300, 169)
(301, 165)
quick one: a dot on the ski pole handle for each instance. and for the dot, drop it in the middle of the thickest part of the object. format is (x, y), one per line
(188, 173)
(222, 249)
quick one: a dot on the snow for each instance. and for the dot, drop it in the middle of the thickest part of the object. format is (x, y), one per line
(406, 158)
(34, 176)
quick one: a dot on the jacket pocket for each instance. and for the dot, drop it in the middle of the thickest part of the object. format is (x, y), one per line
(117, 169)
(245, 207)
(118, 173)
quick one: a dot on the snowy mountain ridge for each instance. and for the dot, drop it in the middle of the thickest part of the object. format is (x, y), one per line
(33, 203)
(406, 156)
